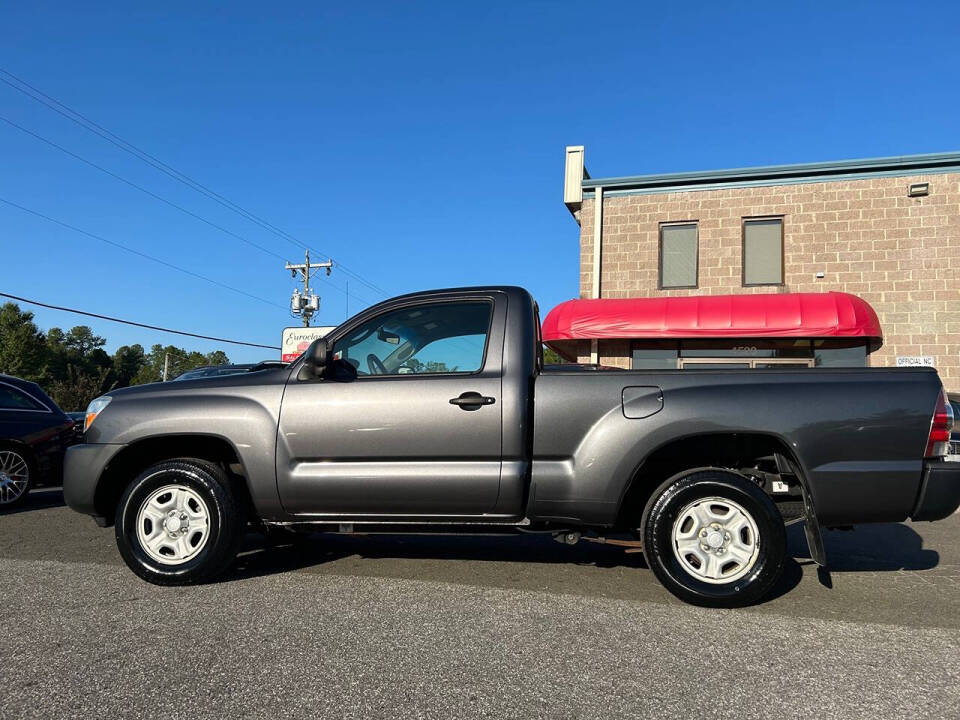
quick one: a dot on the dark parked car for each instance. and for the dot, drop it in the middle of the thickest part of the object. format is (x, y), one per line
(34, 433)
(431, 412)
(212, 371)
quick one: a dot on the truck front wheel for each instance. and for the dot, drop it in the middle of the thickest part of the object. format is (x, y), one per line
(713, 538)
(179, 523)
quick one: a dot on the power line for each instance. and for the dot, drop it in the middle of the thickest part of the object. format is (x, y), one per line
(152, 194)
(136, 324)
(140, 254)
(140, 188)
(39, 96)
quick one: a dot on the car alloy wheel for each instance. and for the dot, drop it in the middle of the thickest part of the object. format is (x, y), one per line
(14, 476)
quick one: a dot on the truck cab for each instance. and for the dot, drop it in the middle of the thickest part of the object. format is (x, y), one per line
(422, 412)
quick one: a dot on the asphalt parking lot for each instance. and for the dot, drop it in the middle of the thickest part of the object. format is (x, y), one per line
(409, 627)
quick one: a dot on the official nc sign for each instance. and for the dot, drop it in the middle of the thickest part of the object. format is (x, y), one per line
(298, 339)
(915, 361)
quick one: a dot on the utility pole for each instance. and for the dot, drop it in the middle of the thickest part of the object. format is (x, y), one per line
(166, 366)
(308, 303)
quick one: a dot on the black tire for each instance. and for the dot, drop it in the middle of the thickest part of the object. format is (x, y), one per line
(11, 451)
(681, 492)
(227, 522)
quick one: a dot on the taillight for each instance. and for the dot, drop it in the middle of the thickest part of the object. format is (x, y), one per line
(938, 444)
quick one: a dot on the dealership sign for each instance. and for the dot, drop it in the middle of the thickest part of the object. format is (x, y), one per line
(298, 339)
(915, 361)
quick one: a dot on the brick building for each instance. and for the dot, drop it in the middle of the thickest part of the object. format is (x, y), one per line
(886, 230)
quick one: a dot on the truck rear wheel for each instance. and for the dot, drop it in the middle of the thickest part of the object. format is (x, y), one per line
(179, 523)
(713, 538)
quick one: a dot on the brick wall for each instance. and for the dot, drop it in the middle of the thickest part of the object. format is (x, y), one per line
(901, 254)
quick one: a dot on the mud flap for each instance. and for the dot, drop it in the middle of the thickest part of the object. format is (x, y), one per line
(811, 528)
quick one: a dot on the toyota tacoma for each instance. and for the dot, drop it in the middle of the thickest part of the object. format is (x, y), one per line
(433, 412)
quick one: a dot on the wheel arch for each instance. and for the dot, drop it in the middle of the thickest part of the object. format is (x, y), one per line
(139, 455)
(19, 446)
(727, 451)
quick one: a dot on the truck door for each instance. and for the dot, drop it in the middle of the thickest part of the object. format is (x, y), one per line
(418, 432)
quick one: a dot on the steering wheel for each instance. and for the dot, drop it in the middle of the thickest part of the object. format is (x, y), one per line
(376, 367)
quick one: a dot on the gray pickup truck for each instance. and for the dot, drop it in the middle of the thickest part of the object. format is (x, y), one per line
(434, 412)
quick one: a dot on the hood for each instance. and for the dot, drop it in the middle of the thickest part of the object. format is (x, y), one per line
(268, 376)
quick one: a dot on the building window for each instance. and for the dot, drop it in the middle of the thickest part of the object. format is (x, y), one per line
(745, 347)
(746, 353)
(654, 355)
(678, 255)
(763, 251)
(839, 353)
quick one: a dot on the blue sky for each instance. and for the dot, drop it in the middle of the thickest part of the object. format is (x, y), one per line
(420, 144)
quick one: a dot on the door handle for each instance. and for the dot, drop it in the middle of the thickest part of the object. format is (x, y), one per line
(472, 401)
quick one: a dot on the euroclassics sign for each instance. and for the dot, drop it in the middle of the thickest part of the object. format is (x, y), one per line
(297, 339)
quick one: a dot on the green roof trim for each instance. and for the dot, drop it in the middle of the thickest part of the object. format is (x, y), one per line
(934, 163)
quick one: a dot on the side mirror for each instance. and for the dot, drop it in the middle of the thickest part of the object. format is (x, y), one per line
(315, 360)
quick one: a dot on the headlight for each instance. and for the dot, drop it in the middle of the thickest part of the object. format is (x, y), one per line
(94, 409)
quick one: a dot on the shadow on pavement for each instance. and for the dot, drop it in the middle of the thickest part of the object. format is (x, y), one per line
(40, 499)
(258, 558)
(868, 548)
(791, 577)
(879, 547)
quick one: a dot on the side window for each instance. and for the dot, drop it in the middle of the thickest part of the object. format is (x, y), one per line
(13, 399)
(420, 340)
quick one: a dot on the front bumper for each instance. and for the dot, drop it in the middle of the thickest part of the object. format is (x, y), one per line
(939, 491)
(83, 467)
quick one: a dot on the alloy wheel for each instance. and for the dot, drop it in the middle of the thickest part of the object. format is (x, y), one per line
(14, 476)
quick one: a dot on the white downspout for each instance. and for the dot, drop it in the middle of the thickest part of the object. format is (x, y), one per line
(597, 243)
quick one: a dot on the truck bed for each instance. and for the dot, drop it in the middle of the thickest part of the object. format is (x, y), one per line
(857, 435)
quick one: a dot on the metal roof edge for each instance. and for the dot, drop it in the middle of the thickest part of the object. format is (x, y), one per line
(777, 174)
(608, 192)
